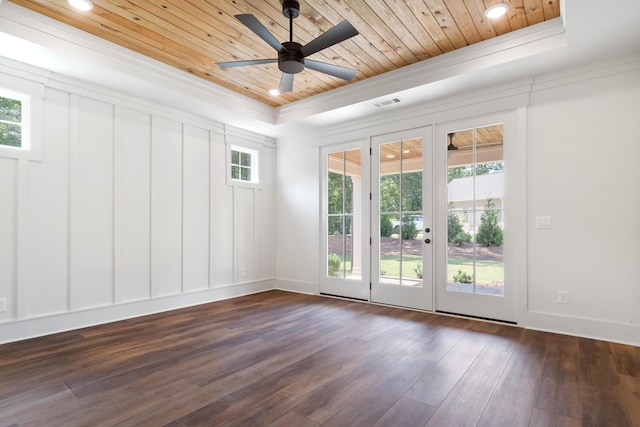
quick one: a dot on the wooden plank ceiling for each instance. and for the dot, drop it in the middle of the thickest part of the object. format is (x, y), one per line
(193, 35)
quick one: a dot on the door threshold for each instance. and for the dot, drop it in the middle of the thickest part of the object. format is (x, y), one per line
(489, 319)
(343, 297)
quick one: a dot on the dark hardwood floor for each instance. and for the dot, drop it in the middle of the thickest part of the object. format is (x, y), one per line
(283, 359)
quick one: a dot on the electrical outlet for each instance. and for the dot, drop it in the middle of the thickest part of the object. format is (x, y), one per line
(543, 222)
(563, 297)
(3, 305)
(243, 272)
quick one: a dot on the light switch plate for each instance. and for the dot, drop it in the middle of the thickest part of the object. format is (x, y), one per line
(543, 222)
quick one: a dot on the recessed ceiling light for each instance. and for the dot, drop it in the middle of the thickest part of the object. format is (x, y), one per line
(274, 92)
(496, 11)
(83, 5)
(390, 156)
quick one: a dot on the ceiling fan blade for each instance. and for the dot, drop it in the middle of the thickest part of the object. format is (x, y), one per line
(332, 70)
(255, 26)
(232, 64)
(337, 34)
(286, 83)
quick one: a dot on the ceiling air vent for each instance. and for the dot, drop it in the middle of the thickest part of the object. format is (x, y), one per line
(387, 102)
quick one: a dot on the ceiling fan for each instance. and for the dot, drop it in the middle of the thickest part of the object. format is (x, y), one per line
(292, 55)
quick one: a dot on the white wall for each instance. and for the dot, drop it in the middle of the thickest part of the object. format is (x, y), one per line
(583, 149)
(581, 133)
(124, 210)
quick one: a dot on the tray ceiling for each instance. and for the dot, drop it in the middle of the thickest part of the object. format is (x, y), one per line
(193, 35)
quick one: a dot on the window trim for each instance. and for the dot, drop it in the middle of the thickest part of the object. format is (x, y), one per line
(255, 166)
(25, 141)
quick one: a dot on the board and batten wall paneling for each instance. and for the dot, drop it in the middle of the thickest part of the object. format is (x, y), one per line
(92, 203)
(8, 202)
(133, 214)
(166, 207)
(195, 224)
(222, 215)
(244, 236)
(126, 210)
(265, 218)
(45, 281)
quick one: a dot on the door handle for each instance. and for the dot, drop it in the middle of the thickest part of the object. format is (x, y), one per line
(427, 240)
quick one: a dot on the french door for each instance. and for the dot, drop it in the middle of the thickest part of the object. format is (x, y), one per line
(401, 219)
(345, 264)
(426, 219)
(477, 206)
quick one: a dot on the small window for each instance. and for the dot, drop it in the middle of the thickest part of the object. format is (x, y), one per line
(13, 119)
(244, 165)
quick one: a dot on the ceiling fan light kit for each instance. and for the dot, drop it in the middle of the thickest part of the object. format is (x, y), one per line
(291, 55)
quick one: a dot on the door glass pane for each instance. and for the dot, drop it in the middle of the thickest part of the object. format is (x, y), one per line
(401, 213)
(344, 222)
(475, 193)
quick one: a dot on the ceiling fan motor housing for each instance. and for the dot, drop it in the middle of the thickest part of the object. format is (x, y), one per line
(291, 61)
(291, 8)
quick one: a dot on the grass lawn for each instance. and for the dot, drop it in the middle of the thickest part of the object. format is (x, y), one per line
(486, 271)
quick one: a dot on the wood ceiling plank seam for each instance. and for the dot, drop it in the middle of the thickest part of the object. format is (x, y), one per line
(119, 31)
(551, 9)
(137, 44)
(464, 21)
(428, 21)
(368, 36)
(388, 16)
(348, 51)
(323, 82)
(161, 21)
(361, 42)
(447, 23)
(376, 29)
(533, 11)
(357, 46)
(516, 15)
(413, 24)
(483, 24)
(219, 34)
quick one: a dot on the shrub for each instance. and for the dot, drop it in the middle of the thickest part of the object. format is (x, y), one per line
(461, 238)
(418, 270)
(489, 233)
(386, 227)
(409, 230)
(462, 277)
(334, 264)
(454, 227)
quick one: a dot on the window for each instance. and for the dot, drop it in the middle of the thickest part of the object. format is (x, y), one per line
(13, 119)
(475, 211)
(244, 165)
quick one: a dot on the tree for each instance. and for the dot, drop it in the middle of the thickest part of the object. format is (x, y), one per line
(409, 230)
(386, 227)
(489, 233)
(336, 194)
(454, 226)
(10, 119)
(411, 197)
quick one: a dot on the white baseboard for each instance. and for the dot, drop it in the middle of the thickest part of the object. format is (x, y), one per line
(297, 286)
(582, 327)
(35, 327)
